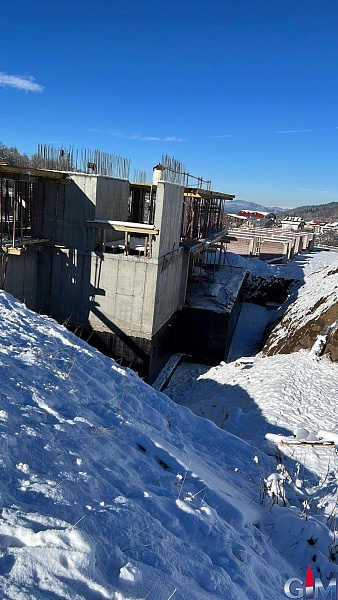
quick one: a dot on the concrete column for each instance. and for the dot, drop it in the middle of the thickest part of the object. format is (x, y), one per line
(168, 217)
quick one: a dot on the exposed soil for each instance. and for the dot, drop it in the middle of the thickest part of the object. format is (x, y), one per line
(288, 335)
(304, 337)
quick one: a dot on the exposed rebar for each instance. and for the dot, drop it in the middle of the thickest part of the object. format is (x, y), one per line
(83, 161)
(176, 172)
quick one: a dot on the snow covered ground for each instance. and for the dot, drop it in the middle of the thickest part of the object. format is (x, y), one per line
(110, 490)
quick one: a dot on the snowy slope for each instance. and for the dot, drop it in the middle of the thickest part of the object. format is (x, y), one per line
(110, 490)
(284, 405)
(313, 311)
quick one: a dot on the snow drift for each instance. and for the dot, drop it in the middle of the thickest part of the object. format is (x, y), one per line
(110, 490)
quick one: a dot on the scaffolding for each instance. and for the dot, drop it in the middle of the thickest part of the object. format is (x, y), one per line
(203, 214)
(17, 189)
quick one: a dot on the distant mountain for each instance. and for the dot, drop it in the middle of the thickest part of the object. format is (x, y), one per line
(324, 212)
(234, 206)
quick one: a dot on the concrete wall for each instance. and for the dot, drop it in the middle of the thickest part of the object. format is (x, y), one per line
(124, 289)
(206, 334)
(18, 276)
(107, 291)
(112, 199)
(61, 210)
(133, 294)
(127, 300)
(203, 334)
(64, 284)
(172, 263)
(168, 217)
(170, 287)
(137, 295)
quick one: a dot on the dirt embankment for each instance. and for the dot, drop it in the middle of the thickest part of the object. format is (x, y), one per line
(314, 311)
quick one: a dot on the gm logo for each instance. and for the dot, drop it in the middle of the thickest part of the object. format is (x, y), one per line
(312, 589)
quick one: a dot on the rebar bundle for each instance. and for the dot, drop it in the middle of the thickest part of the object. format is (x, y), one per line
(83, 161)
(176, 172)
(139, 176)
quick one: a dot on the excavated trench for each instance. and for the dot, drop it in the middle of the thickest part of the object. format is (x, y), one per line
(259, 290)
(298, 330)
(272, 294)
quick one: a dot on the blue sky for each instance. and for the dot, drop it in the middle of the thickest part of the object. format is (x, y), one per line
(243, 92)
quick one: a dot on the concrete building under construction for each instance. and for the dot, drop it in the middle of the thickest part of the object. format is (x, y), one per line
(113, 259)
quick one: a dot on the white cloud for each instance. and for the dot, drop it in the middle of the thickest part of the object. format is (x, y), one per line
(26, 84)
(315, 191)
(114, 132)
(150, 138)
(296, 131)
(216, 137)
(137, 136)
(174, 139)
(144, 138)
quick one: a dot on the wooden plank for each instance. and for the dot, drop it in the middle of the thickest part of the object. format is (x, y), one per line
(11, 250)
(325, 443)
(135, 229)
(25, 173)
(124, 226)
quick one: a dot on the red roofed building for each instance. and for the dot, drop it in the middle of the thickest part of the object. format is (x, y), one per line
(252, 214)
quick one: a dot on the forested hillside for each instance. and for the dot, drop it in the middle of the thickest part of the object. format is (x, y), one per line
(323, 212)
